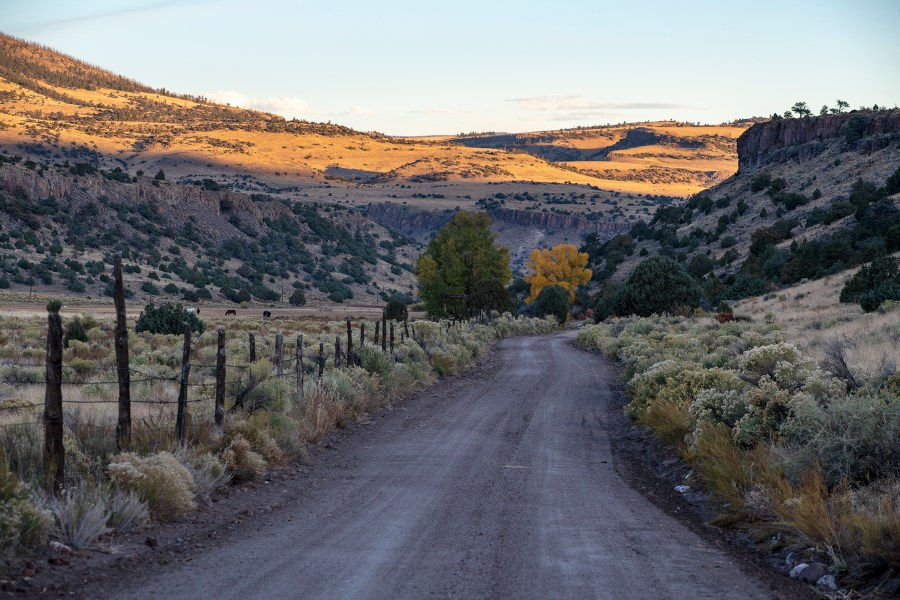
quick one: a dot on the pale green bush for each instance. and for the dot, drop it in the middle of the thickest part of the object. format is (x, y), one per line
(159, 479)
(375, 361)
(852, 437)
(207, 471)
(257, 388)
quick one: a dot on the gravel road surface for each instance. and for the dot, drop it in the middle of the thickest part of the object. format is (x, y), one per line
(500, 484)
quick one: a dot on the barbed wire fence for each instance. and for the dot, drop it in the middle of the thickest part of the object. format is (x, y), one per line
(196, 382)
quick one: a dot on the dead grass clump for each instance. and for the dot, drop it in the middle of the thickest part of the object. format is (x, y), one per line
(255, 430)
(720, 465)
(80, 515)
(243, 463)
(127, 511)
(668, 419)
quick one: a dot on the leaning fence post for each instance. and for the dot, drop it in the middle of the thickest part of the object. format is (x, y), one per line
(182, 390)
(123, 426)
(406, 326)
(220, 377)
(349, 343)
(384, 331)
(252, 348)
(298, 364)
(54, 453)
(321, 360)
(279, 353)
(337, 351)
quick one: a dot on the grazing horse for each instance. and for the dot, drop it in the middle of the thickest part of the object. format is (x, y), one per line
(267, 314)
(230, 312)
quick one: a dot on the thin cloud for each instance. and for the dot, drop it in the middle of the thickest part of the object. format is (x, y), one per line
(105, 14)
(584, 105)
(434, 111)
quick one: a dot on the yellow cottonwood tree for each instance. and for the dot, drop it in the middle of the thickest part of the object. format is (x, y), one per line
(561, 265)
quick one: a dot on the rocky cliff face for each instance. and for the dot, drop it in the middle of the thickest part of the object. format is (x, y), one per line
(799, 140)
(421, 223)
(555, 221)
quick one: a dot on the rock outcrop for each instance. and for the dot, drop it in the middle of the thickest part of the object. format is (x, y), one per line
(556, 221)
(799, 140)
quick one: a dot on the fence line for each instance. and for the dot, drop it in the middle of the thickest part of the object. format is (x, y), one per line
(289, 369)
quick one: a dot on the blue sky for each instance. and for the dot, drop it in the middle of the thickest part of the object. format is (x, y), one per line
(419, 67)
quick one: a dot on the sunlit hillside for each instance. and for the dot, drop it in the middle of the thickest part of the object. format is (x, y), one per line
(53, 107)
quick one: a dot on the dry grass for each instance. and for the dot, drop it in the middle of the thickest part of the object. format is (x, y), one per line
(811, 315)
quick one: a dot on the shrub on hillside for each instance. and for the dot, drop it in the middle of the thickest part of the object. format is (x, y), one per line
(168, 319)
(298, 298)
(553, 300)
(873, 284)
(657, 285)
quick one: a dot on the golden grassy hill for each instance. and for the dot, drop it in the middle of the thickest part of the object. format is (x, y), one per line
(54, 107)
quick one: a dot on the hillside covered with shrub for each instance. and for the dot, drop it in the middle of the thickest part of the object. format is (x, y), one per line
(820, 195)
(61, 225)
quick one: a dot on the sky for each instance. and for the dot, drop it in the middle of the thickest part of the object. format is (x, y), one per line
(423, 67)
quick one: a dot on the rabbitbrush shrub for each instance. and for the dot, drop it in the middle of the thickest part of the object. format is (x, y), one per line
(159, 479)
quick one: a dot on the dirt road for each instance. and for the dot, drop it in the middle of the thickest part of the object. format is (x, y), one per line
(499, 485)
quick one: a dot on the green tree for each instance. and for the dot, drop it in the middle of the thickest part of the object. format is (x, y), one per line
(657, 285)
(298, 298)
(870, 277)
(463, 253)
(489, 294)
(801, 109)
(168, 318)
(553, 300)
(396, 310)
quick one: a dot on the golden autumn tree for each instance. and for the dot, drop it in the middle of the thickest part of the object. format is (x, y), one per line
(562, 265)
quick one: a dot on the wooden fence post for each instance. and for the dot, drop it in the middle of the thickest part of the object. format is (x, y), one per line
(406, 327)
(220, 376)
(392, 339)
(279, 354)
(182, 390)
(298, 364)
(349, 343)
(377, 329)
(384, 332)
(54, 453)
(123, 426)
(321, 360)
(252, 348)
(362, 335)
(414, 330)
(337, 351)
